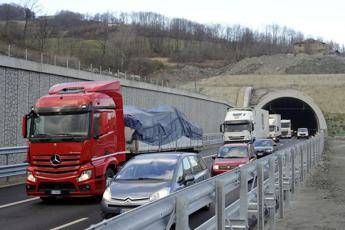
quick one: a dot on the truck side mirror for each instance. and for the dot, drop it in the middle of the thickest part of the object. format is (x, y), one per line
(24, 126)
(221, 128)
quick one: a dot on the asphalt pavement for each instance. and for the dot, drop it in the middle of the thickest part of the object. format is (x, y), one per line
(18, 211)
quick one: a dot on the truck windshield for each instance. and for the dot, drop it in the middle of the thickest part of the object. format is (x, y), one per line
(237, 127)
(272, 128)
(285, 125)
(57, 126)
(233, 152)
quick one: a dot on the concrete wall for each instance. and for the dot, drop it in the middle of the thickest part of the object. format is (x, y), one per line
(22, 82)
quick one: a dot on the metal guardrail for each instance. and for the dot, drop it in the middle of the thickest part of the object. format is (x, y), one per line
(16, 169)
(20, 169)
(272, 179)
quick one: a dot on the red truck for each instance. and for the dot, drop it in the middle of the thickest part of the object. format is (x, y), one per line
(76, 139)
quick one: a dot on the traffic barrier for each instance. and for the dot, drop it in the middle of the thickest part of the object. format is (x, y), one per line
(272, 180)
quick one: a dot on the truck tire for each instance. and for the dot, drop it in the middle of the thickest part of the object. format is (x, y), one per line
(109, 174)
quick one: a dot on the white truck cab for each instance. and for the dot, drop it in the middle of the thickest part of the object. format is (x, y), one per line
(244, 125)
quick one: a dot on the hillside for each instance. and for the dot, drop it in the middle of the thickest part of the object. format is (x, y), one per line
(142, 43)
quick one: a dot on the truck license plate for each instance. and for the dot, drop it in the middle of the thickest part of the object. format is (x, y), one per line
(55, 192)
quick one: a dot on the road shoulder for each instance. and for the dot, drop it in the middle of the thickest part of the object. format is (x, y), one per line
(320, 203)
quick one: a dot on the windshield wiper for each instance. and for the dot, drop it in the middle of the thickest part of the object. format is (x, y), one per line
(41, 135)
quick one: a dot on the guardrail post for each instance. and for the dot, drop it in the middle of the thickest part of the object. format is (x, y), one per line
(280, 184)
(302, 163)
(244, 195)
(182, 218)
(308, 156)
(220, 205)
(260, 196)
(7, 178)
(287, 178)
(293, 170)
(272, 207)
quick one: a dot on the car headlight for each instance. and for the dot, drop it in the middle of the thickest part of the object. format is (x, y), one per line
(160, 194)
(30, 177)
(85, 175)
(107, 194)
(215, 167)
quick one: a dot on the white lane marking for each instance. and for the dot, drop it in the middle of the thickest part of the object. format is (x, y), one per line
(69, 224)
(18, 202)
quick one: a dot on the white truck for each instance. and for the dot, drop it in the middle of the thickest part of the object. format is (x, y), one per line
(274, 121)
(286, 128)
(245, 125)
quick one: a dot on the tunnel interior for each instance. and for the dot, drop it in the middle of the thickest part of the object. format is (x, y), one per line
(298, 111)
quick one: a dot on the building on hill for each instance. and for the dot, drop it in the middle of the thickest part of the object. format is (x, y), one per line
(311, 46)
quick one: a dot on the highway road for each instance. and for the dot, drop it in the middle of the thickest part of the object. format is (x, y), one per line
(18, 211)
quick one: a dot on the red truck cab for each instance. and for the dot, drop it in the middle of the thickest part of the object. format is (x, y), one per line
(75, 139)
(231, 156)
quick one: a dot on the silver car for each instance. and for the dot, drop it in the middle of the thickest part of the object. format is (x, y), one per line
(149, 177)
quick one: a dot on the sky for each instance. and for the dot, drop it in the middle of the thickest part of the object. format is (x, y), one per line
(314, 18)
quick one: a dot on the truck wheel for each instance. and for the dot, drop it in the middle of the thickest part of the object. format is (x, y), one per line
(109, 174)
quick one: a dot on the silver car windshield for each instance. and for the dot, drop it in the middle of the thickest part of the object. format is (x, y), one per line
(146, 169)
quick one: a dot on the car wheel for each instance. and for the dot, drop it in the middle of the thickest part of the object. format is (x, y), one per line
(106, 215)
(109, 174)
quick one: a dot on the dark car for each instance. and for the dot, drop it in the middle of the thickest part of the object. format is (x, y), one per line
(263, 147)
(231, 156)
(149, 177)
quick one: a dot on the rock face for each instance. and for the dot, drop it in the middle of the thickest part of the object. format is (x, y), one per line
(288, 64)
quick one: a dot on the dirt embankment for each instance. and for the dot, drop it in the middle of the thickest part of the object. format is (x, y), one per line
(320, 203)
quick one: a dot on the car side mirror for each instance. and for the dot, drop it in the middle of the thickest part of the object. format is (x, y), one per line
(188, 178)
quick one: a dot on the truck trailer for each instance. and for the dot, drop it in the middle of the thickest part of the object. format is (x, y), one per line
(245, 125)
(275, 126)
(78, 136)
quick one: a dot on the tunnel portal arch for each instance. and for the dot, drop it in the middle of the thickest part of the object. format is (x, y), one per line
(294, 105)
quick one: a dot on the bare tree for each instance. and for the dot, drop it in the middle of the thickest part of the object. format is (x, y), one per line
(30, 9)
(43, 32)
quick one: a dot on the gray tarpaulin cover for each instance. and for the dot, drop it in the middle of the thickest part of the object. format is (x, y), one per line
(161, 125)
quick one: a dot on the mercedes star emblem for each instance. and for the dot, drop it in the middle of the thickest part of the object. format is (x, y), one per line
(55, 159)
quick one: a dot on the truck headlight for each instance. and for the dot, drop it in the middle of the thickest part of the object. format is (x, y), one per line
(160, 194)
(215, 167)
(30, 177)
(85, 175)
(107, 195)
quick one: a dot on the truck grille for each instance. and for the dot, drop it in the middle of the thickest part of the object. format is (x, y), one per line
(237, 138)
(69, 165)
(284, 133)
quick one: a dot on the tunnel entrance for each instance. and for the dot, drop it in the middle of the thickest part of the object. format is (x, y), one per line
(298, 111)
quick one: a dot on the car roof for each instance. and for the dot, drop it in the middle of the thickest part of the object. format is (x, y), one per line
(164, 155)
